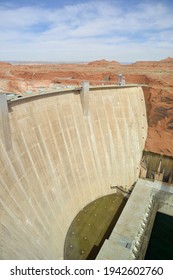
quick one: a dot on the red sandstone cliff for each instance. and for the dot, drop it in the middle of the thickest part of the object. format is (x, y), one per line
(158, 75)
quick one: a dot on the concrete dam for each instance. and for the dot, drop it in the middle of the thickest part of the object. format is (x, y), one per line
(58, 153)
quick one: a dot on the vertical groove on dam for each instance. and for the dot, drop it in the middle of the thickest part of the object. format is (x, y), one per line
(61, 160)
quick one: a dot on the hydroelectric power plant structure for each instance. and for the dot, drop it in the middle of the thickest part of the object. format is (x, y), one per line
(70, 175)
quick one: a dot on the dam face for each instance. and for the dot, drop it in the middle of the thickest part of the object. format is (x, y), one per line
(64, 153)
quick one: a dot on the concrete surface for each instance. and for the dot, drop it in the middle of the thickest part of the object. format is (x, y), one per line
(120, 244)
(61, 160)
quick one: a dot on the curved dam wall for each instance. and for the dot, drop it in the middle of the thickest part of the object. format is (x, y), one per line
(56, 158)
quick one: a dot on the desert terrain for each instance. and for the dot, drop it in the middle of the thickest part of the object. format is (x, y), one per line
(157, 76)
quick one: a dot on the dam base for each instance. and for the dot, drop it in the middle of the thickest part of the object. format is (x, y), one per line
(92, 226)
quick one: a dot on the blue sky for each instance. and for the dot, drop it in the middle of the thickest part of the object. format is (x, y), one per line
(57, 30)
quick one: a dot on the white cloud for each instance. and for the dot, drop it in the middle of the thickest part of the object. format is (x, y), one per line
(20, 18)
(87, 31)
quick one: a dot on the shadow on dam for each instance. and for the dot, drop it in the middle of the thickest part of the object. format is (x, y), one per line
(58, 153)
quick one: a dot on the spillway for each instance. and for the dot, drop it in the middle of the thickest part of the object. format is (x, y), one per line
(59, 152)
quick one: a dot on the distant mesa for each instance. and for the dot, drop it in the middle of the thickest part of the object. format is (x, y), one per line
(166, 62)
(5, 64)
(103, 62)
(168, 59)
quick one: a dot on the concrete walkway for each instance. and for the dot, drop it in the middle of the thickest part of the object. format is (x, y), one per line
(135, 223)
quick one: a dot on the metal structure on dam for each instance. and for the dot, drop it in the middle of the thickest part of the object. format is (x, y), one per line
(59, 152)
